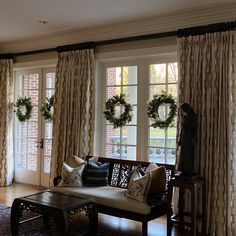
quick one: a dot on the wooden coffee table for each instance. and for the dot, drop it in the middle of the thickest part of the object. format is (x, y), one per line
(57, 205)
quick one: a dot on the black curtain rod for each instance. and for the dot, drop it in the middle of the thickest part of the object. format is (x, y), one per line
(218, 27)
(211, 28)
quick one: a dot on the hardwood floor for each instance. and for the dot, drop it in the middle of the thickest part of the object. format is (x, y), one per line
(119, 226)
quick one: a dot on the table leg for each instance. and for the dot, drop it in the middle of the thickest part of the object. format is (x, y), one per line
(46, 220)
(93, 219)
(181, 208)
(169, 209)
(194, 211)
(61, 223)
(15, 215)
(204, 209)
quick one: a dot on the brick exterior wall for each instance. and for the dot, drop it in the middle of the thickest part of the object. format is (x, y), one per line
(111, 80)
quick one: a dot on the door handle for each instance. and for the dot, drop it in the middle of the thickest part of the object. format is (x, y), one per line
(40, 143)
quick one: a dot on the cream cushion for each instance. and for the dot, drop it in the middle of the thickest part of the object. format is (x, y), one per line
(107, 196)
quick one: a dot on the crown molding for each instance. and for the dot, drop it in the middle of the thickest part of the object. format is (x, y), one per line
(165, 23)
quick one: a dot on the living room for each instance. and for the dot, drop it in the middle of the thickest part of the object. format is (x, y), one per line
(83, 78)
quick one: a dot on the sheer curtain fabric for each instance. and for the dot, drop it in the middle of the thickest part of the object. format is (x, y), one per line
(6, 119)
(205, 71)
(73, 121)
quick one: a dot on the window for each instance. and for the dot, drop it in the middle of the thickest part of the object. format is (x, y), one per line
(139, 80)
(121, 142)
(162, 143)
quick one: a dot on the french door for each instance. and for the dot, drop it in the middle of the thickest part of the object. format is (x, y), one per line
(33, 138)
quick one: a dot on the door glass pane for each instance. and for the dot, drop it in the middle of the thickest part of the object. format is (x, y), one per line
(157, 73)
(50, 80)
(49, 93)
(113, 75)
(34, 81)
(156, 137)
(112, 151)
(156, 90)
(129, 152)
(48, 130)
(113, 135)
(33, 129)
(129, 135)
(25, 82)
(130, 94)
(162, 143)
(170, 156)
(48, 125)
(171, 137)
(172, 73)
(32, 154)
(129, 75)
(134, 117)
(111, 91)
(157, 155)
(21, 145)
(27, 132)
(122, 79)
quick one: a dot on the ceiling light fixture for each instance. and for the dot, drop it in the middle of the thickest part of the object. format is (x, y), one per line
(42, 22)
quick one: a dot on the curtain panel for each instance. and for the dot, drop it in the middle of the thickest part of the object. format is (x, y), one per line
(6, 122)
(205, 75)
(73, 119)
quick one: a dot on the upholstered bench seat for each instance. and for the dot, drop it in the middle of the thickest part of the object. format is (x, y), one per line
(122, 194)
(107, 196)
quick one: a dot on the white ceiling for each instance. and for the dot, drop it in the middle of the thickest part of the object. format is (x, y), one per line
(19, 18)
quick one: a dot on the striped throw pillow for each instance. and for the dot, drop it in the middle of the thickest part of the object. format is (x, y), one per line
(96, 175)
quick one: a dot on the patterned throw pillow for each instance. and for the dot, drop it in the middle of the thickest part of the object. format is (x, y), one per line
(138, 186)
(96, 175)
(71, 176)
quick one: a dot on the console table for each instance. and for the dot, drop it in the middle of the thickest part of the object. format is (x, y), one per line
(57, 205)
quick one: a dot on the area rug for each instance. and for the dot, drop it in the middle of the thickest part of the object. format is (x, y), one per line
(32, 228)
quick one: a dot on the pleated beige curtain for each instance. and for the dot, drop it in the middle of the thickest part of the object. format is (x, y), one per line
(232, 148)
(73, 121)
(205, 75)
(6, 119)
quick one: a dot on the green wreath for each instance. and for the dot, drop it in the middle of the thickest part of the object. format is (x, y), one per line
(124, 118)
(26, 104)
(153, 106)
(46, 108)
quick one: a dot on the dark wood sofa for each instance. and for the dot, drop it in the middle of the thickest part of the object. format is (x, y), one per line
(119, 170)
